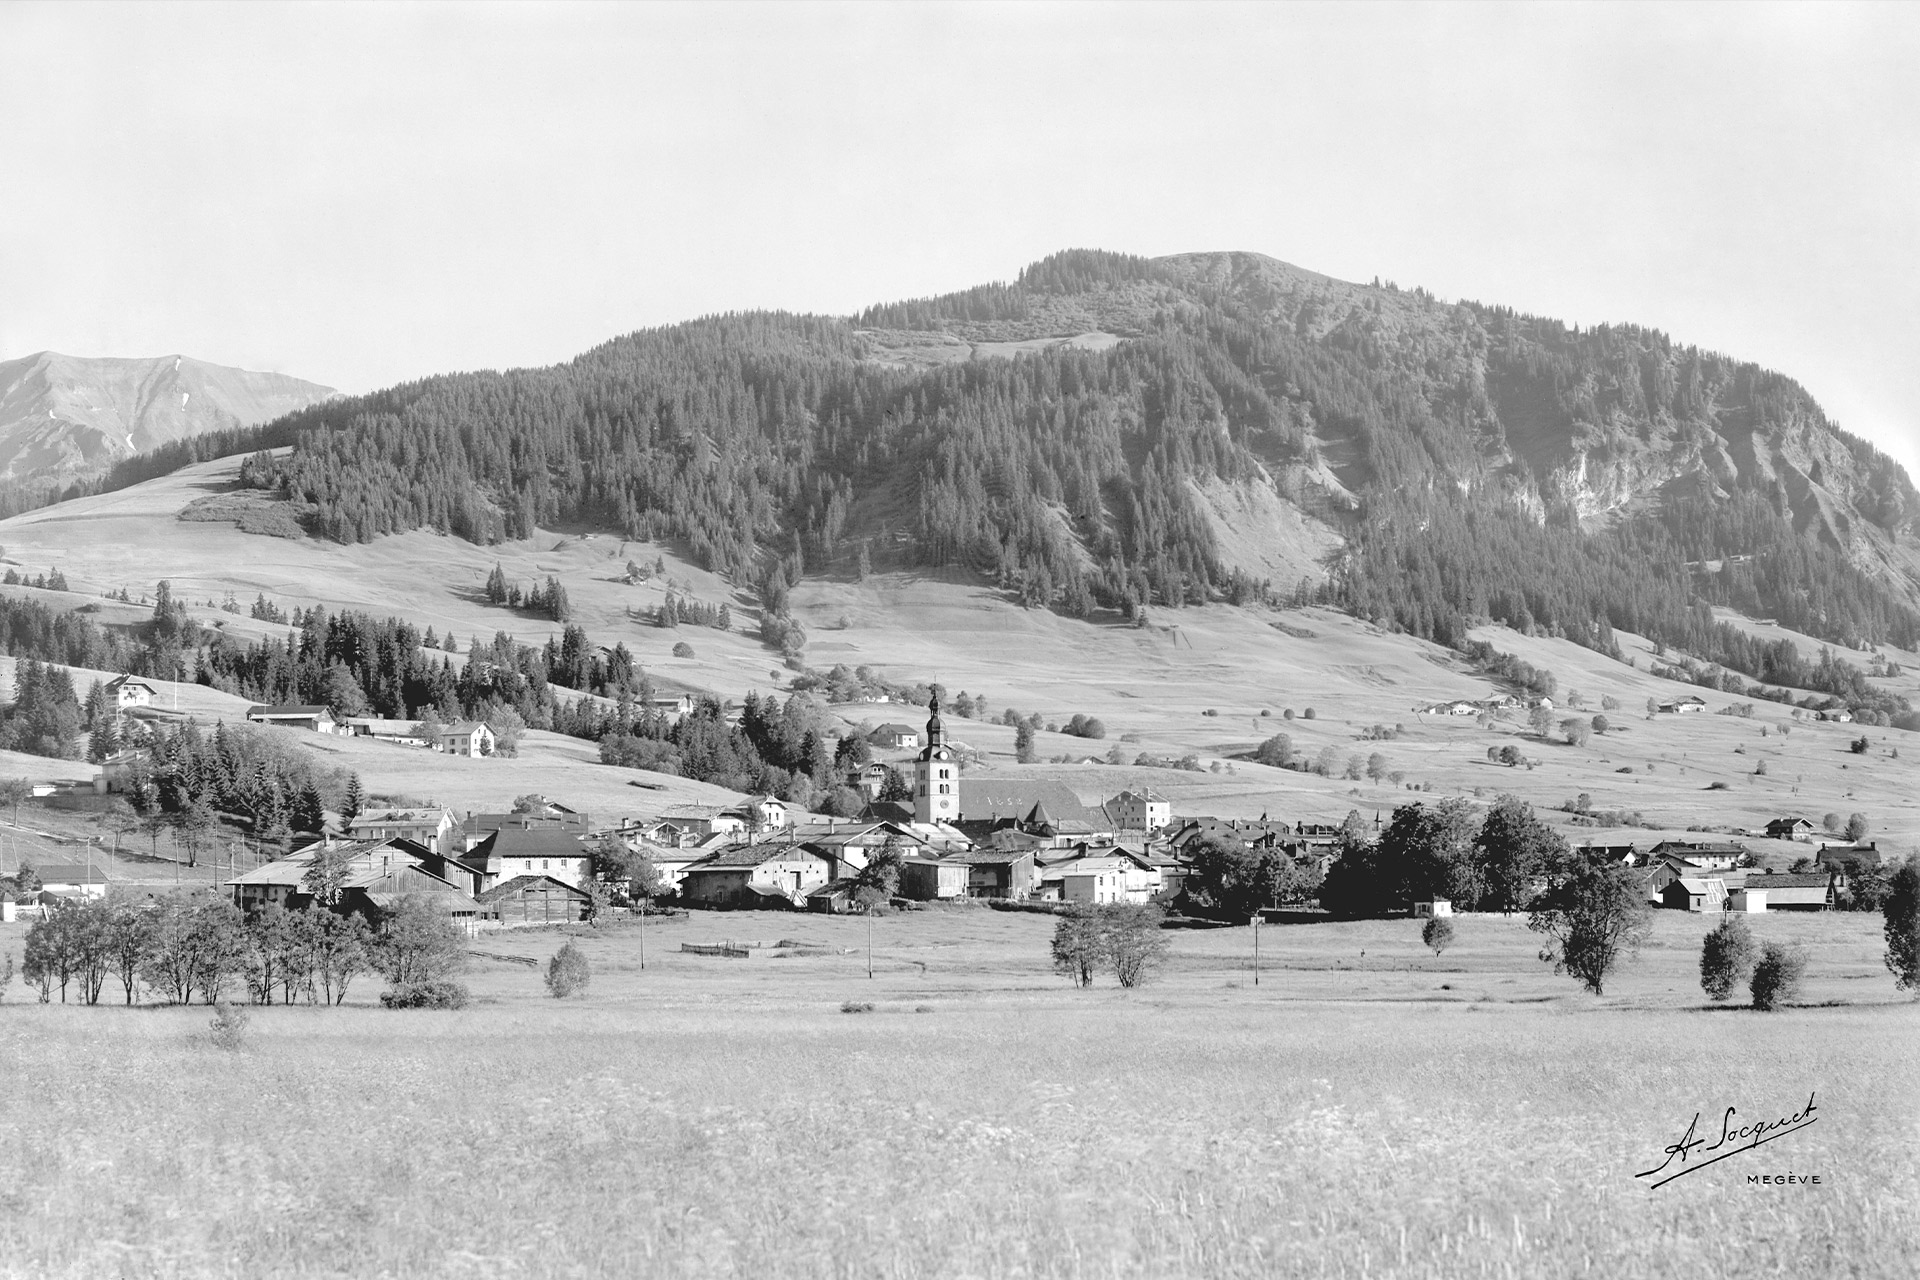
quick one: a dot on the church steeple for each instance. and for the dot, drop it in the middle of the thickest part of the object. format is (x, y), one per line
(936, 773)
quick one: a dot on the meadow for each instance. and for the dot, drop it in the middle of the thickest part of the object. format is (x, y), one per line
(1367, 1109)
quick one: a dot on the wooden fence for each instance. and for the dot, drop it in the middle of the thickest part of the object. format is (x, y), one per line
(720, 949)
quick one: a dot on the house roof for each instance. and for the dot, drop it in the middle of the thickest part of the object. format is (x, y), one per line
(465, 729)
(529, 842)
(1701, 884)
(70, 873)
(1789, 881)
(520, 884)
(122, 682)
(897, 728)
(289, 712)
(989, 799)
(754, 855)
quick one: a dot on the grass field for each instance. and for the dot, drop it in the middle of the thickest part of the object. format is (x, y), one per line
(1368, 1109)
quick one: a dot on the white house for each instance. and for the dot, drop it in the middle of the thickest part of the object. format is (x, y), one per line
(896, 737)
(130, 691)
(1432, 907)
(468, 738)
(1142, 810)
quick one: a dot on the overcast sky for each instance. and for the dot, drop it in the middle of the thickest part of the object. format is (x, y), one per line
(359, 195)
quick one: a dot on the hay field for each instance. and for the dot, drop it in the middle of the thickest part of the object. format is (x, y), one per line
(724, 1118)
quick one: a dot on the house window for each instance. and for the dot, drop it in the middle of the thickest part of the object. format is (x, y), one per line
(543, 864)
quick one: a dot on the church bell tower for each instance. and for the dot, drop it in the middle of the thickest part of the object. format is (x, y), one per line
(936, 774)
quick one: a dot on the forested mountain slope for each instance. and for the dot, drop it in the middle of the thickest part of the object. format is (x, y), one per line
(1448, 463)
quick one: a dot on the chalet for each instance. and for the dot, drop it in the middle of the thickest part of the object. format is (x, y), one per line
(1813, 892)
(761, 812)
(468, 738)
(670, 864)
(130, 691)
(512, 852)
(314, 719)
(1695, 893)
(1683, 706)
(526, 900)
(895, 737)
(73, 880)
(1432, 908)
(430, 827)
(1790, 829)
(1840, 715)
(1462, 708)
(672, 704)
(869, 778)
(1141, 810)
(930, 879)
(761, 875)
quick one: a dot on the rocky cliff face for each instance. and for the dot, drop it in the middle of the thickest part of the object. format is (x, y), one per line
(64, 418)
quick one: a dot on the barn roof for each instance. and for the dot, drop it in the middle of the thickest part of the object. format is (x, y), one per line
(1789, 881)
(520, 884)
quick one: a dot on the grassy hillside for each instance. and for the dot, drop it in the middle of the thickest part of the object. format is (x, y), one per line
(1152, 686)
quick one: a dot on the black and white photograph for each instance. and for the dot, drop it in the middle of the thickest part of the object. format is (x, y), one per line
(959, 641)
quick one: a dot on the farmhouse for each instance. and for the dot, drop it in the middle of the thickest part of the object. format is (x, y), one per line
(1790, 829)
(761, 812)
(1712, 855)
(1099, 875)
(1683, 706)
(130, 691)
(895, 737)
(468, 738)
(1049, 810)
(999, 873)
(432, 827)
(1142, 810)
(761, 875)
(1433, 908)
(1813, 892)
(314, 719)
(512, 852)
(376, 874)
(73, 879)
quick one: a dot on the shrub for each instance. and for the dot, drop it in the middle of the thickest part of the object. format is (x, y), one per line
(434, 994)
(1776, 979)
(1438, 934)
(1726, 957)
(568, 972)
(229, 1026)
(1308, 713)
(1288, 713)
(1718, 786)
(856, 1006)
(683, 650)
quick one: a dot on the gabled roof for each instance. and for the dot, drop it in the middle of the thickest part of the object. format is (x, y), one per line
(121, 682)
(524, 842)
(289, 712)
(989, 799)
(70, 873)
(754, 855)
(1790, 881)
(520, 884)
(1700, 884)
(466, 728)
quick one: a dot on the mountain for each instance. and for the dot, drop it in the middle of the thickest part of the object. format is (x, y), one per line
(66, 418)
(1111, 434)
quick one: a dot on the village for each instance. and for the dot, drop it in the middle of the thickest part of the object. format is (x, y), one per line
(1004, 843)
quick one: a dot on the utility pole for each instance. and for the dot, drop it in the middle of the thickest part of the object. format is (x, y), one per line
(1256, 949)
(645, 902)
(869, 942)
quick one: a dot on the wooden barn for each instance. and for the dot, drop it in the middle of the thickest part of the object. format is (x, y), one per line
(535, 899)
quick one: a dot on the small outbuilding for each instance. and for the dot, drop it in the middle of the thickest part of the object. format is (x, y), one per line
(1430, 908)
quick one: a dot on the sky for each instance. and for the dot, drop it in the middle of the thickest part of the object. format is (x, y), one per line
(359, 195)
